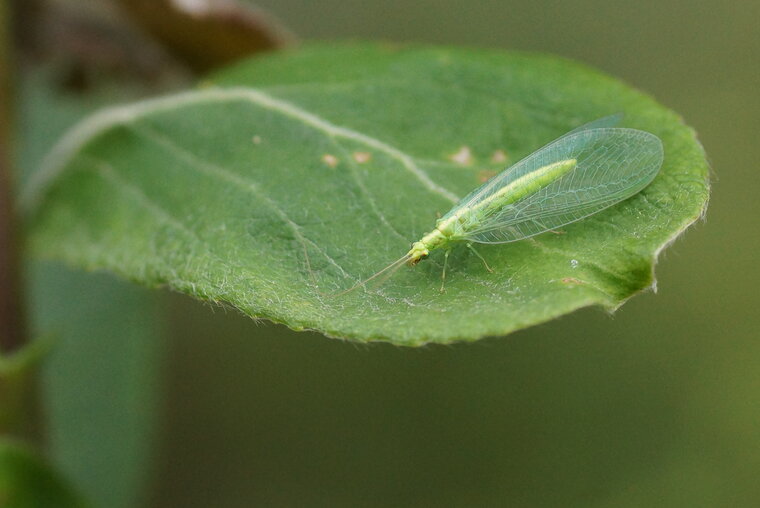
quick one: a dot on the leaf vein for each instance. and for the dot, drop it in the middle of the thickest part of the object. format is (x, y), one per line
(210, 168)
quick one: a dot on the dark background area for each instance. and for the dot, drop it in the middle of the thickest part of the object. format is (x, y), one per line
(657, 405)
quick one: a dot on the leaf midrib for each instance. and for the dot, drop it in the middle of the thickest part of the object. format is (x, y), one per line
(124, 115)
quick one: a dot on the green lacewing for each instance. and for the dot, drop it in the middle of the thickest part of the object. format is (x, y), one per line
(577, 175)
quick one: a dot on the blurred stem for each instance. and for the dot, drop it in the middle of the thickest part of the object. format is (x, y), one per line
(19, 394)
(12, 329)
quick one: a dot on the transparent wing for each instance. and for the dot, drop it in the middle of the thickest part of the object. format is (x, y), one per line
(599, 123)
(612, 165)
(526, 166)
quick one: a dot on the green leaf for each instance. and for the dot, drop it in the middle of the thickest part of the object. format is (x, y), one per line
(292, 176)
(17, 389)
(100, 382)
(26, 481)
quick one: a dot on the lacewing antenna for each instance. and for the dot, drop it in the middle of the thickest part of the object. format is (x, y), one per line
(385, 273)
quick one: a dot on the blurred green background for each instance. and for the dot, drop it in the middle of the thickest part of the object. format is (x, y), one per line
(658, 405)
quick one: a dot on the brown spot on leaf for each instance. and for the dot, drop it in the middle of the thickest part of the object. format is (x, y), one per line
(499, 156)
(485, 174)
(463, 156)
(362, 157)
(330, 160)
